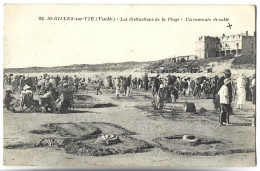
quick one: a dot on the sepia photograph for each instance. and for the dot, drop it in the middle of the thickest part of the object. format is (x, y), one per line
(114, 85)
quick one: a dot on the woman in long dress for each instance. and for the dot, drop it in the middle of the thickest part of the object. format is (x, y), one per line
(197, 89)
(241, 91)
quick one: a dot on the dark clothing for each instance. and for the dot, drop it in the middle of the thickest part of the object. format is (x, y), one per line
(225, 110)
(7, 101)
(185, 85)
(171, 80)
(161, 95)
(192, 84)
(128, 81)
(168, 94)
(57, 80)
(146, 86)
(253, 95)
(197, 89)
(156, 85)
(201, 79)
(174, 92)
(214, 86)
(248, 92)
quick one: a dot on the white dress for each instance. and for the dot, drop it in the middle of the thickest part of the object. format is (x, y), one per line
(241, 91)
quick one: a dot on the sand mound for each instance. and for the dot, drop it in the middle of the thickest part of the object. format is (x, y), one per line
(198, 146)
(80, 139)
(88, 147)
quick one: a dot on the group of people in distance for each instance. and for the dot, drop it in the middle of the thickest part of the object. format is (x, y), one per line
(46, 86)
(223, 90)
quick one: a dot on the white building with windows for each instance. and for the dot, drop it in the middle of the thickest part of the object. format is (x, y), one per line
(237, 44)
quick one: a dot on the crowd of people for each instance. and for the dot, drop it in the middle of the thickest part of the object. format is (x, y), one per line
(223, 90)
(46, 87)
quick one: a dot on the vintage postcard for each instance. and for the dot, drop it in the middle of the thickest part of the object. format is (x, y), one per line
(129, 85)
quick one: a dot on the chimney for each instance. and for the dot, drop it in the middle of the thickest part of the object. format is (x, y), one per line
(246, 33)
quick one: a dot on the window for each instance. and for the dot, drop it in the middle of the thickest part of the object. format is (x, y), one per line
(226, 45)
(208, 54)
(207, 46)
(252, 45)
(237, 44)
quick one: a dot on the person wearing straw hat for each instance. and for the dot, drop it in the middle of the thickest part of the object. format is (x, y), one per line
(227, 74)
(224, 103)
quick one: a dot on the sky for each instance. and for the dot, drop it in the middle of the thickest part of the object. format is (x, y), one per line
(29, 41)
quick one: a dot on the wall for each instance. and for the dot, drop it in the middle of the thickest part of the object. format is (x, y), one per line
(248, 45)
(206, 47)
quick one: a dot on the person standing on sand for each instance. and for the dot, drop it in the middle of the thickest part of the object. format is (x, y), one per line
(124, 86)
(156, 84)
(117, 82)
(241, 92)
(76, 82)
(247, 87)
(224, 103)
(188, 88)
(21, 83)
(227, 74)
(191, 87)
(197, 89)
(185, 87)
(160, 96)
(129, 85)
(99, 85)
(146, 85)
(253, 89)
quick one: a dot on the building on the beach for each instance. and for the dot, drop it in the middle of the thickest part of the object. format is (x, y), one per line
(182, 58)
(236, 45)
